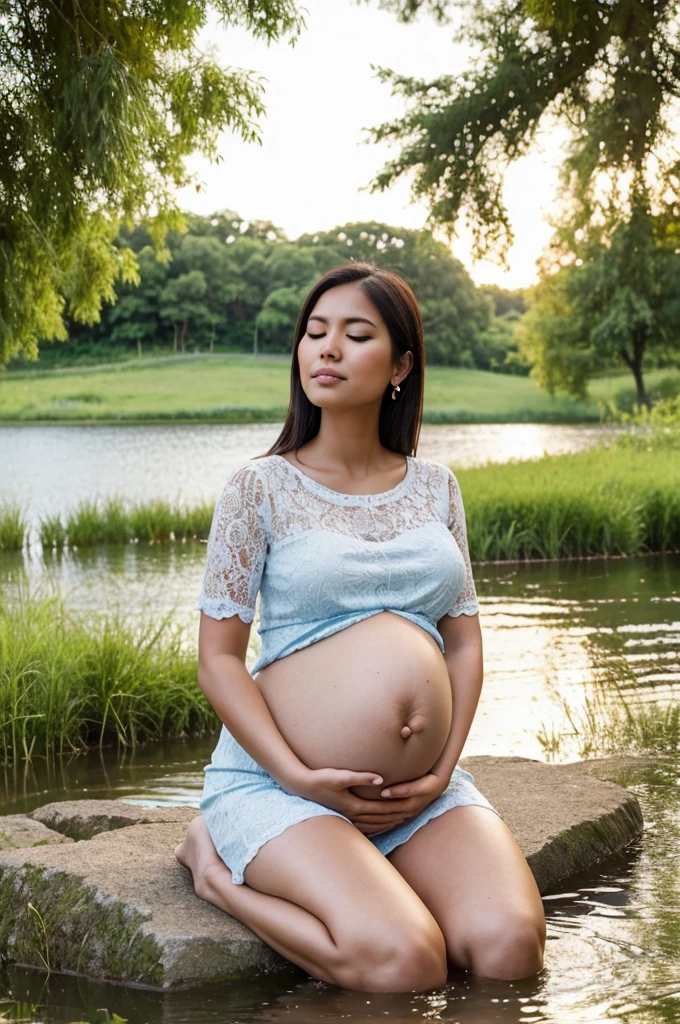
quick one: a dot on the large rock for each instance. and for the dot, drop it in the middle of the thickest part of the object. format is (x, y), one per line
(118, 906)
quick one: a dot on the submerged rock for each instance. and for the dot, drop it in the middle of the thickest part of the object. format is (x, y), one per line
(118, 906)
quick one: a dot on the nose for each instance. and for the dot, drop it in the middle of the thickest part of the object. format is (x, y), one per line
(329, 347)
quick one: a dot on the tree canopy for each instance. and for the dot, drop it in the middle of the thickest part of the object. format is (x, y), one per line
(229, 284)
(100, 104)
(608, 70)
(619, 300)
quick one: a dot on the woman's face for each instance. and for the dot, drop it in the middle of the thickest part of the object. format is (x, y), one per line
(347, 336)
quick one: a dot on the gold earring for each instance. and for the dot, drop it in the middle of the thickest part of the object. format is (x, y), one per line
(394, 391)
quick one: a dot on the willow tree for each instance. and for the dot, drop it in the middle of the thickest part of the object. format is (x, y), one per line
(606, 70)
(100, 105)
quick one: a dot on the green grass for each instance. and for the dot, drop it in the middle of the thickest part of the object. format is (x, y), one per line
(607, 501)
(66, 685)
(616, 717)
(242, 388)
(13, 528)
(114, 522)
(618, 499)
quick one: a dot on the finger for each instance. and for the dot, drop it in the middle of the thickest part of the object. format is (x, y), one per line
(376, 818)
(402, 790)
(381, 808)
(372, 830)
(383, 823)
(361, 779)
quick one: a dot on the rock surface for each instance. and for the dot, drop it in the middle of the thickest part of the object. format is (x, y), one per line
(118, 906)
(83, 819)
(17, 831)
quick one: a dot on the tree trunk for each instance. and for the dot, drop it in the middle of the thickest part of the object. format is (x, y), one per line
(185, 328)
(174, 337)
(634, 364)
(642, 398)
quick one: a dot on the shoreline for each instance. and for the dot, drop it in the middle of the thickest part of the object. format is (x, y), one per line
(431, 419)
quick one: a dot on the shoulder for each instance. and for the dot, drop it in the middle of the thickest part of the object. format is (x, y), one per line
(256, 470)
(247, 489)
(435, 473)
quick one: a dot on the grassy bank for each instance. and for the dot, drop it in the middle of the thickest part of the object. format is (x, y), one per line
(608, 501)
(65, 685)
(623, 499)
(240, 388)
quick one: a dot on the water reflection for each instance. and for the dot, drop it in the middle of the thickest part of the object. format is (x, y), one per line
(612, 956)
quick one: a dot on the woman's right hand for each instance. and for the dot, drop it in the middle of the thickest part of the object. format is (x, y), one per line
(331, 787)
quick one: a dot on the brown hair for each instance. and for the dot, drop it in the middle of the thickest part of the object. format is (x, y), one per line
(399, 423)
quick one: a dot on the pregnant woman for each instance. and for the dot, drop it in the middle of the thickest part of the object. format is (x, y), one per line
(369, 858)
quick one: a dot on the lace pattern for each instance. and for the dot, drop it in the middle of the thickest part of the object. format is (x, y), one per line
(466, 602)
(268, 503)
(299, 503)
(237, 547)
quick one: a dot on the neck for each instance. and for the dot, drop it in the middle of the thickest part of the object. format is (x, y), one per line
(348, 440)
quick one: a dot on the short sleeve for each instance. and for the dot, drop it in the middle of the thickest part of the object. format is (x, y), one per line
(466, 602)
(237, 547)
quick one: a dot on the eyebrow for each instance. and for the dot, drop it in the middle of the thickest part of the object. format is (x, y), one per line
(347, 320)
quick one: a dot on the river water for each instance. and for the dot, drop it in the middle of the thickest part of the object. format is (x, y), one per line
(48, 470)
(614, 946)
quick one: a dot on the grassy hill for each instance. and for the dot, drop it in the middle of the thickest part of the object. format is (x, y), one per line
(242, 388)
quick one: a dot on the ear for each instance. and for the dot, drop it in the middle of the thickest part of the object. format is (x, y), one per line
(403, 366)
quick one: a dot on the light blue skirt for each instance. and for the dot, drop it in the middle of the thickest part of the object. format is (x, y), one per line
(244, 807)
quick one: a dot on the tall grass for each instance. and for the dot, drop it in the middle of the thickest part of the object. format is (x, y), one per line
(66, 685)
(618, 499)
(13, 528)
(52, 532)
(112, 522)
(605, 502)
(621, 500)
(615, 717)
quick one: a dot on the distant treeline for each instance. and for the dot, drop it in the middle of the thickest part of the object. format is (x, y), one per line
(232, 285)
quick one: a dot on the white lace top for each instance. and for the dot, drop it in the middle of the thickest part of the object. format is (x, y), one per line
(324, 560)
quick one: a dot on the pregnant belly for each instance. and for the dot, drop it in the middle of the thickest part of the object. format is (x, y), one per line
(373, 697)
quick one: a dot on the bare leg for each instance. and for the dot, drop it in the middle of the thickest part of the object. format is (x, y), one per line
(467, 868)
(290, 930)
(326, 899)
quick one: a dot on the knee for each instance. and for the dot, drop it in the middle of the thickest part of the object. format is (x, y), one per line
(410, 962)
(508, 949)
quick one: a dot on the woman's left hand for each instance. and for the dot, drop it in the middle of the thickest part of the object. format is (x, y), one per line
(403, 801)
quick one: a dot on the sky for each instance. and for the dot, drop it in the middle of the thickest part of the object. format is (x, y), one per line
(314, 160)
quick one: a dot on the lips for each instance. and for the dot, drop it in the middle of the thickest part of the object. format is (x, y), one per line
(328, 373)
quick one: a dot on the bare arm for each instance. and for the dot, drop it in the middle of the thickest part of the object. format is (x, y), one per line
(462, 638)
(226, 682)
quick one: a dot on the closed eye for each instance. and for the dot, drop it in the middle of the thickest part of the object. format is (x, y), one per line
(354, 337)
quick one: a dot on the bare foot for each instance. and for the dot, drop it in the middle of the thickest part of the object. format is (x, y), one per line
(197, 851)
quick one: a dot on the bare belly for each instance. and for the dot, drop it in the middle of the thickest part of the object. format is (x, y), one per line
(373, 697)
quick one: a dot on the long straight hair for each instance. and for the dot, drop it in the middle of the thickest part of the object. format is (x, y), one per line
(399, 421)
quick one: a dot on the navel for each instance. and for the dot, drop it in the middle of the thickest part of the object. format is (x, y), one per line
(414, 724)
